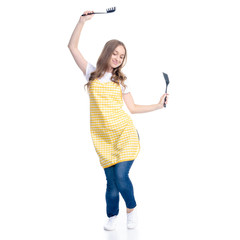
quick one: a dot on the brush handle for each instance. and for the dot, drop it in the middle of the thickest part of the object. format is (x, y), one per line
(93, 13)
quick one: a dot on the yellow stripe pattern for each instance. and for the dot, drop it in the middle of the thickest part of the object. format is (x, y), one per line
(114, 135)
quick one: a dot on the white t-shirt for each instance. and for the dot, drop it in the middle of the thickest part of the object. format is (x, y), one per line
(106, 77)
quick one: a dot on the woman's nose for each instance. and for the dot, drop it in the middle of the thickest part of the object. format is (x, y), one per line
(118, 58)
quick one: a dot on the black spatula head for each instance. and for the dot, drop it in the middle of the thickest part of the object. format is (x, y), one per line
(166, 78)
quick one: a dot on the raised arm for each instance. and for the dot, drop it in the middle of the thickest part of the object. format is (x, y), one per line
(73, 43)
(135, 108)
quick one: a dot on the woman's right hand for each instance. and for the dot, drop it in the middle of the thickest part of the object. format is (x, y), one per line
(87, 17)
(162, 100)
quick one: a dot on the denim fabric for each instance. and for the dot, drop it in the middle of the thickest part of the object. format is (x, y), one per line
(119, 181)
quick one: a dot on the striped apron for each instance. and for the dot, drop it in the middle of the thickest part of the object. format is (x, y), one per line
(114, 135)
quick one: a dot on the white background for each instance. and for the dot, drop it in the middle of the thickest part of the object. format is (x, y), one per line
(186, 176)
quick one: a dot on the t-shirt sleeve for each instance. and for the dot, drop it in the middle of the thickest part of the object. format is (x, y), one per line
(90, 68)
(128, 88)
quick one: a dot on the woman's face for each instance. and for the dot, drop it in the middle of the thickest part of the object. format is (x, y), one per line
(117, 57)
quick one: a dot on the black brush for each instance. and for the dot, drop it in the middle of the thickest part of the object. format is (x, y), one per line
(167, 82)
(108, 10)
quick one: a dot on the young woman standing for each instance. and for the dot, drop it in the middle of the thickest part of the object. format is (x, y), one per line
(113, 133)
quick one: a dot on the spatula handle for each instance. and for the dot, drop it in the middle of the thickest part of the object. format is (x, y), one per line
(165, 98)
(164, 102)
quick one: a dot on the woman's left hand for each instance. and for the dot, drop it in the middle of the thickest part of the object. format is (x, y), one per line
(162, 100)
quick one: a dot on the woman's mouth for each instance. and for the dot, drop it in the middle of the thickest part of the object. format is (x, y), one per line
(115, 62)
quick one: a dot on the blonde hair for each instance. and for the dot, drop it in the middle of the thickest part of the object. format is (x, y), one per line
(103, 64)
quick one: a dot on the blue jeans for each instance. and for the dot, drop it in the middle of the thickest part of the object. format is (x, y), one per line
(119, 181)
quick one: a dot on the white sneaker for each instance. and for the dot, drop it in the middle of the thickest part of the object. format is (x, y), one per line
(132, 219)
(111, 223)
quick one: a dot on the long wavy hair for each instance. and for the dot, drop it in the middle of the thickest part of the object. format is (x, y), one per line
(103, 64)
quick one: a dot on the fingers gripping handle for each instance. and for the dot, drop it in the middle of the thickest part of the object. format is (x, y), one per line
(165, 101)
(87, 14)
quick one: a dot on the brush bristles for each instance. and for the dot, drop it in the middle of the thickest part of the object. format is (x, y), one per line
(109, 10)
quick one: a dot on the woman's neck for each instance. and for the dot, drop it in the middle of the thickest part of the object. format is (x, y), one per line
(110, 70)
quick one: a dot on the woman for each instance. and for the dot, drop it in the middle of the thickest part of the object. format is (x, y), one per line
(114, 135)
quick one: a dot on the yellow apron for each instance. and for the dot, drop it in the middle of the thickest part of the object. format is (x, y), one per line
(114, 135)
